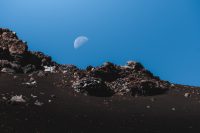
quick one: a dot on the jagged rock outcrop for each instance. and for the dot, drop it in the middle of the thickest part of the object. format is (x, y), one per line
(132, 79)
(15, 57)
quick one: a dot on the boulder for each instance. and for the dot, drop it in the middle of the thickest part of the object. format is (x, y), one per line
(92, 86)
(135, 65)
(89, 68)
(29, 68)
(45, 60)
(18, 48)
(107, 72)
(148, 87)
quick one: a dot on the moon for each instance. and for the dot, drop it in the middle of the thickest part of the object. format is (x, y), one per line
(80, 41)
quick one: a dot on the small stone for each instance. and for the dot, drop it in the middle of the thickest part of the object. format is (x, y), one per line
(7, 70)
(32, 79)
(18, 99)
(173, 109)
(33, 96)
(153, 99)
(31, 83)
(14, 77)
(187, 95)
(53, 96)
(41, 74)
(172, 85)
(4, 98)
(148, 107)
(37, 103)
(42, 93)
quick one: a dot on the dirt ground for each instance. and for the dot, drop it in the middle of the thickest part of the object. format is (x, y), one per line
(51, 107)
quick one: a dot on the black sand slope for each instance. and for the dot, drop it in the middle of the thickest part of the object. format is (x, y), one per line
(72, 112)
(38, 95)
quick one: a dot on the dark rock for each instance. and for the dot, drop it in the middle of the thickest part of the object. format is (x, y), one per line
(108, 72)
(12, 65)
(4, 63)
(135, 65)
(132, 79)
(18, 48)
(92, 86)
(45, 60)
(14, 54)
(5, 33)
(41, 74)
(68, 68)
(16, 67)
(89, 68)
(147, 87)
(29, 68)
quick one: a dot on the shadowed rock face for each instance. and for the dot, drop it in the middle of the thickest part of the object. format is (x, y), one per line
(107, 72)
(102, 81)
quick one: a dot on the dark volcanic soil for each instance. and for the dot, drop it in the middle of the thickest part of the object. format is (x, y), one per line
(69, 112)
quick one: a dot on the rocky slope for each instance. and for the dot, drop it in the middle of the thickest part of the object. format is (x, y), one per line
(15, 57)
(103, 81)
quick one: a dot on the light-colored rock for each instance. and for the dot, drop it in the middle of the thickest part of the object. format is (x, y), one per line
(18, 99)
(187, 95)
(37, 103)
(49, 69)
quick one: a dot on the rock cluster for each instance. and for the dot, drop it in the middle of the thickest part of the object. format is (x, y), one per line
(92, 86)
(15, 57)
(132, 79)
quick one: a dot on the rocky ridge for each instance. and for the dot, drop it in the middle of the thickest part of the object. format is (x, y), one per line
(103, 81)
(15, 56)
(132, 79)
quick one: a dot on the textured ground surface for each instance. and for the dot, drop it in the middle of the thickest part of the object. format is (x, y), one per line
(63, 110)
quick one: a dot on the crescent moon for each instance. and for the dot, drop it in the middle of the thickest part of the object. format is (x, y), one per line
(80, 41)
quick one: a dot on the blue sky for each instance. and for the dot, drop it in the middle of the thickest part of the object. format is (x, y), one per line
(164, 35)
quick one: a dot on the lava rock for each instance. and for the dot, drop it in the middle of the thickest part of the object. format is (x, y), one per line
(132, 79)
(108, 72)
(41, 74)
(148, 87)
(29, 68)
(89, 68)
(45, 60)
(7, 70)
(18, 48)
(135, 65)
(92, 86)
(14, 54)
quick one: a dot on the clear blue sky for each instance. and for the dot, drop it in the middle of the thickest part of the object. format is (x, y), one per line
(164, 35)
